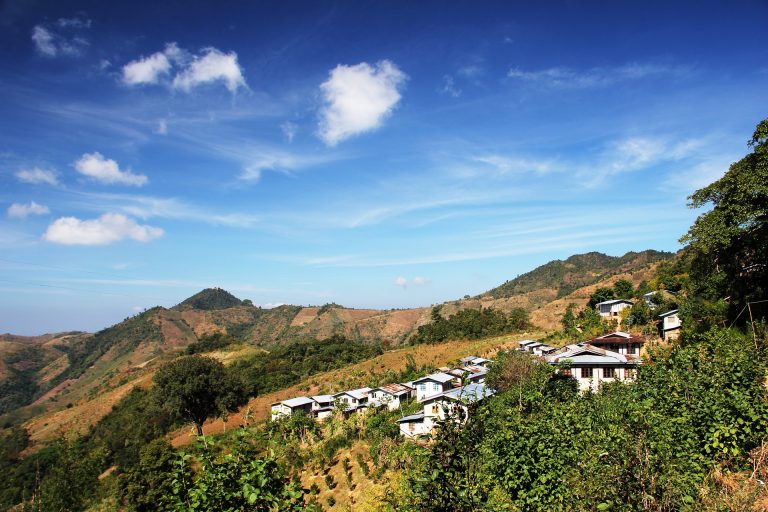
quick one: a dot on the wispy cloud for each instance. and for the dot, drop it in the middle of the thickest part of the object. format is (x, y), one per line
(147, 207)
(38, 176)
(62, 38)
(593, 77)
(24, 210)
(357, 99)
(505, 164)
(289, 130)
(449, 87)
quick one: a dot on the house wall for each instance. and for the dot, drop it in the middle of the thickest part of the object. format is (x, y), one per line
(593, 383)
(429, 388)
(415, 428)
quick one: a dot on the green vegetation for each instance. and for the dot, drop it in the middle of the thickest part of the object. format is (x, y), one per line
(123, 337)
(285, 365)
(470, 324)
(211, 343)
(643, 446)
(195, 388)
(210, 299)
(20, 386)
(575, 272)
(728, 244)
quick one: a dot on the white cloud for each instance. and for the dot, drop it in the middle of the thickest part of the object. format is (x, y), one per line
(37, 176)
(162, 127)
(289, 130)
(147, 70)
(449, 87)
(61, 38)
(44, 41)
(272, 305)
(23, 210)
(421, 281)
(593, 77)
(109, 228)
(104, 170)
(212, 66)
(358, 99)
(416, 281)
(700, 175)
(401, 281)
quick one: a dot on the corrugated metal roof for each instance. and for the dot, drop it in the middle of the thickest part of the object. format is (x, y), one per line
(413, 417)
(297, 402)
(668, 313)
(614, 301)
(323, 398)
(437, 377)
(357, 394)
(467, 394)
(393, 389)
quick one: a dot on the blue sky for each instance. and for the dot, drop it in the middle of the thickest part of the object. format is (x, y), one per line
(372, 154)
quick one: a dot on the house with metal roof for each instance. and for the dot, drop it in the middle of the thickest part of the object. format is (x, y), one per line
(323, 406)
(433, 384)
(353, 400)
(291, 406)
(452, 404)
(390, 395)
(591, 366)
(619, 341)
(670, 325)
(613, 308)
(468, 373)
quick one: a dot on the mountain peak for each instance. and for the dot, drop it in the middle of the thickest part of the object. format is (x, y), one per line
(210, 299)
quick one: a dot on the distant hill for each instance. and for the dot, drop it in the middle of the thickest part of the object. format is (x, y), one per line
(575, 272)
(210, 299)
(47, 373)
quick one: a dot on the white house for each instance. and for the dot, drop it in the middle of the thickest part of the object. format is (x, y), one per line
(621, 342)
(476, 361)
(391, 395)
(670, 325)
(524, 344)
(613, 308)
(591, 365)
(290, 406)
(453, 403)
(472, 373)
(353, 399)
(322, 407)
(432, 385)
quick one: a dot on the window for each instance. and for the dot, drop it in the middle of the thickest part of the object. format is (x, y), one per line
(436, 386)
(631, 349)
(609, 373)
(586, 373)
(435, 409)
(422, 388)
(411, 426)
(566, 372)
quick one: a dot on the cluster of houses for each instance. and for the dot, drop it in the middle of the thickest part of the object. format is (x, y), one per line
(670, 321)
(447, 392)
(450, 391)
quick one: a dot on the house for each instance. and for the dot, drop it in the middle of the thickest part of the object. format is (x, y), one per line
(475, 361)
(542, 349)
(391, 395)
(323, 406)
(620, 342)
(291, 406)
(433, 385)
(413, 425)
(524, 344)
(453, 403)
(473, 374)
(591, 365)
(613, 308)
(670, 325)
(353, 400)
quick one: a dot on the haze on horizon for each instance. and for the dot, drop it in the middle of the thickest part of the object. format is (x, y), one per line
(369, 154)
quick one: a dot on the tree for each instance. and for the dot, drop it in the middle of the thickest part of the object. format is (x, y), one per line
(623, 289)
(730, 241)
(600, 295)
(196, 388)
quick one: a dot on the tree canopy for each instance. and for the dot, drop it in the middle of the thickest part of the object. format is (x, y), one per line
(730, 241)
(196, 388)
